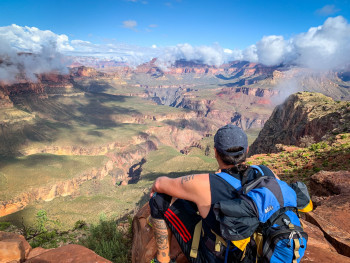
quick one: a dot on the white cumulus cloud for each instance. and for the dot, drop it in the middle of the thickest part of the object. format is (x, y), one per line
(323, 47)
(30, 51)
(211, 55)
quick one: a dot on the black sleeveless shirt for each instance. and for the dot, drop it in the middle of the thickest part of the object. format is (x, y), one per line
(220, 191)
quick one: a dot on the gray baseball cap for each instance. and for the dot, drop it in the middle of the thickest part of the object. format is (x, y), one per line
(230, 136)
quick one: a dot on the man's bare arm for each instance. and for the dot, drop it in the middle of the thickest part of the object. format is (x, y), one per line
(195, 188)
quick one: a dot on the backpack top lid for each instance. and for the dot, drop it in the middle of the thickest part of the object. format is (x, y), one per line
(269, 195)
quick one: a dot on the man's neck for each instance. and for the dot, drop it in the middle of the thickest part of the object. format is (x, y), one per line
(223, 166)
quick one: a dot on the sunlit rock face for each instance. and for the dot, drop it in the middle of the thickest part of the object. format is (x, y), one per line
(302, 114)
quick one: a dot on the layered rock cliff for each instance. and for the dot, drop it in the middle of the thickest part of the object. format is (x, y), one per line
(50, 192)
(302, 114)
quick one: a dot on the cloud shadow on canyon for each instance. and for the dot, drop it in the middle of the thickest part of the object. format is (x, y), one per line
(58, 117)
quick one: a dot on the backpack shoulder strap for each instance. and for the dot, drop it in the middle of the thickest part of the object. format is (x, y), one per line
(235, 183)
(257, 167)
(261, 173)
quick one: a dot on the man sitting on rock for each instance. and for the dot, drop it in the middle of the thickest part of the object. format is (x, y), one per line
(185, 205)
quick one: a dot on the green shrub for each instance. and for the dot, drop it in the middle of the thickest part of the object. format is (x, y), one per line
(108, 242)
(291, 164)
(43, 233)
(4, 225)
(316, 169)
(80, 224)
(317, 146)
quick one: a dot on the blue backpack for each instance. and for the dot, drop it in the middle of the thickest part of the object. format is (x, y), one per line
(278, 234)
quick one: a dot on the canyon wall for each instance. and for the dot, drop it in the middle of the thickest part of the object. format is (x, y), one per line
(302, 114)
(50, 192)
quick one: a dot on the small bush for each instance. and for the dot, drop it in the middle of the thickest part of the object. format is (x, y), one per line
(316, 146)
(316, 169)
(80, 224)
(264, 163)
(43, 233)
(291, 164)
(306, 141)
(4, 225)
(108, 242)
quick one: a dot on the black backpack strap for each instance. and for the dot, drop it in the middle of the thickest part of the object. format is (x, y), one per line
(256, 171)
(267, 171)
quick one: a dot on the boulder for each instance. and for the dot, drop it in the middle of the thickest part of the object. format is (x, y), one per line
(11, 250)
(68, 254)
(13, 247)
(332, 212)
(318, 248)
(36, 251)
(144, 245)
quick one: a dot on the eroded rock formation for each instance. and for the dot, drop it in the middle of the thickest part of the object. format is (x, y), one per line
(48, 193)
(302, 114)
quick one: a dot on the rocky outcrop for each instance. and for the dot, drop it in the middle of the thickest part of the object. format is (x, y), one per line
(68, 254)
(331, 195)
(85, 72)
(41, 85)
(256, 92)
(247, 122)
(180, 134)
(318, 248)
(15, 249)
(166, 95)
(126, 161)
(302, 114)
(5, 101)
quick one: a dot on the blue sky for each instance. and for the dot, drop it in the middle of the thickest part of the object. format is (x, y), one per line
(309, 33)
(231, 24)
